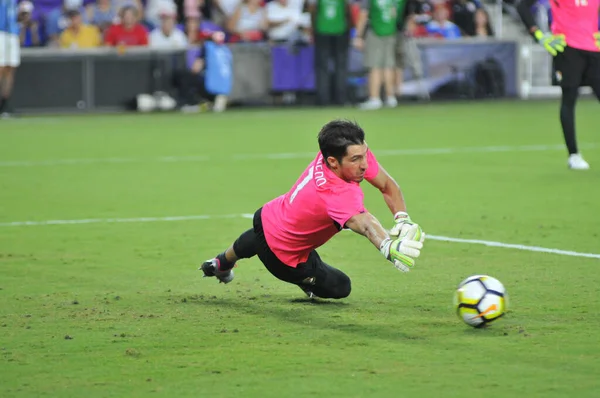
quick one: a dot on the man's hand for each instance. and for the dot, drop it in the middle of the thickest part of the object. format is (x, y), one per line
(554, 44)
(597, 38)
(403, 224)
(197, 66)
(358, 43)
(402, 252)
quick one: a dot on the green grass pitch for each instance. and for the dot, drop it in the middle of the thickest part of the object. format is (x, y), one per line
(101, 309)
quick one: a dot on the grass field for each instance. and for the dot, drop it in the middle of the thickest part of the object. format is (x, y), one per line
(115, 306)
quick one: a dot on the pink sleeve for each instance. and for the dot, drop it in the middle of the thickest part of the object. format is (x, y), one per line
(373, 169)
(341, 206)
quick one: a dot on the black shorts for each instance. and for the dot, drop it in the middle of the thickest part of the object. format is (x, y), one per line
(576, 68)
(314, 275)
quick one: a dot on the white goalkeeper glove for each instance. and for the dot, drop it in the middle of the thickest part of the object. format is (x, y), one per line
(402, 251)
(403, 224)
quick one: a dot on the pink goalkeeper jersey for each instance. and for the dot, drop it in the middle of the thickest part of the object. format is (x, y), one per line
(313, 211)
(577, 20)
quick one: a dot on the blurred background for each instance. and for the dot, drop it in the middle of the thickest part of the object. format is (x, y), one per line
(190, 55)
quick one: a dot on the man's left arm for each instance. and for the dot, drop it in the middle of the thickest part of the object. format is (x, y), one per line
(390, 190)
(392, 194)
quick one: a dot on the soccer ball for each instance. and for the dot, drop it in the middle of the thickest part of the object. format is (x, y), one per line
(480, 299)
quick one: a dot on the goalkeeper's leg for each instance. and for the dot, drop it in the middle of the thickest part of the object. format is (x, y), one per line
(324, 281)
(567, 117)
(222, 265)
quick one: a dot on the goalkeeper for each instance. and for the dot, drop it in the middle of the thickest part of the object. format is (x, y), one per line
(575, 44)
(326, 199)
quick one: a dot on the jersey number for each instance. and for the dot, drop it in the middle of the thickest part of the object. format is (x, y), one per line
(302, 184)
(581, 3)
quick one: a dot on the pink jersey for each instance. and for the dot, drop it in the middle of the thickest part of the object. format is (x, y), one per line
(313, 211)
(577, 20)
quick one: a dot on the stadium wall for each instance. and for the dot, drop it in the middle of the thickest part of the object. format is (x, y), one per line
(53, 80)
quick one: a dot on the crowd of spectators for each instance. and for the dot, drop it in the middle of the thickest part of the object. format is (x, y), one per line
(89, 24)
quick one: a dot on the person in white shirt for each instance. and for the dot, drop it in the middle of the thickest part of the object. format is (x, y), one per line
(285, 20)
(167, 35)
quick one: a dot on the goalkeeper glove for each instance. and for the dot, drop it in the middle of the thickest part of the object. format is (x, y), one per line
(597, 39)
(402, 252)
(554, 44)
(403, 224)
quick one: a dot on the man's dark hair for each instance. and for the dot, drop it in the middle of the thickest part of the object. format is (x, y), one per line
(336, 136)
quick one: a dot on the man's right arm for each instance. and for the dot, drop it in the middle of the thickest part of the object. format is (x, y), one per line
(400, 252)
(367, 225)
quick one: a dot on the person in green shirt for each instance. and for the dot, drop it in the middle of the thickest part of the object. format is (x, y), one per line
(378, 20)
(331, 22)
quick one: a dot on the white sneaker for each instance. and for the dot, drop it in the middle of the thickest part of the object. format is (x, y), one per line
(371, 104)
(576, 162)
(220, 103)
(391, 102)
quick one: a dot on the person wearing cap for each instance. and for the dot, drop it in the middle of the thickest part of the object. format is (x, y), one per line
(78, 34)
(167, 35)
(57, 20)
(29, 29)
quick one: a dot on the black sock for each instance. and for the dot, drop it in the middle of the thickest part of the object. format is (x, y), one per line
(224, 265)
(567, 117)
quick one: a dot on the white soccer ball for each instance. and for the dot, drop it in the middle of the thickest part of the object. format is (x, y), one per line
(480, 299)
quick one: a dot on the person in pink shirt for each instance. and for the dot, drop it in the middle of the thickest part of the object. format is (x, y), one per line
(574, 42)
(325, 199)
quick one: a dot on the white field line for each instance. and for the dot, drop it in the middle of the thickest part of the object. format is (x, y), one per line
(249, 216)
(290, 155)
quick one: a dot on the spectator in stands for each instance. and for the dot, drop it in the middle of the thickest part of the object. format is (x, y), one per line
(57, 20)
(286, 22)
(483, 27)
(129, 32)
(192, 16)
(463, 15)
(102, 13)
(331, 22)
(192, 82)
(167, 35)
(248, 22)
(222, 10)
(440, 26)
(423, 10)
(153, 10)
(78, 34)
(378, 20)
(406, 26)
(29, 33)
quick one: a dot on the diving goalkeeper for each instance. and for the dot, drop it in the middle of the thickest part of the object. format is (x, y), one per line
(574, 42)
(326, 199)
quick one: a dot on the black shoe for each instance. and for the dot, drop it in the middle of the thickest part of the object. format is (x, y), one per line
(211, 268)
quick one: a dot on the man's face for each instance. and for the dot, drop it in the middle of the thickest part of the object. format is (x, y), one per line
(76, 21)
(354, 163)
(168, 23)
(129, 18)
(440, 14)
